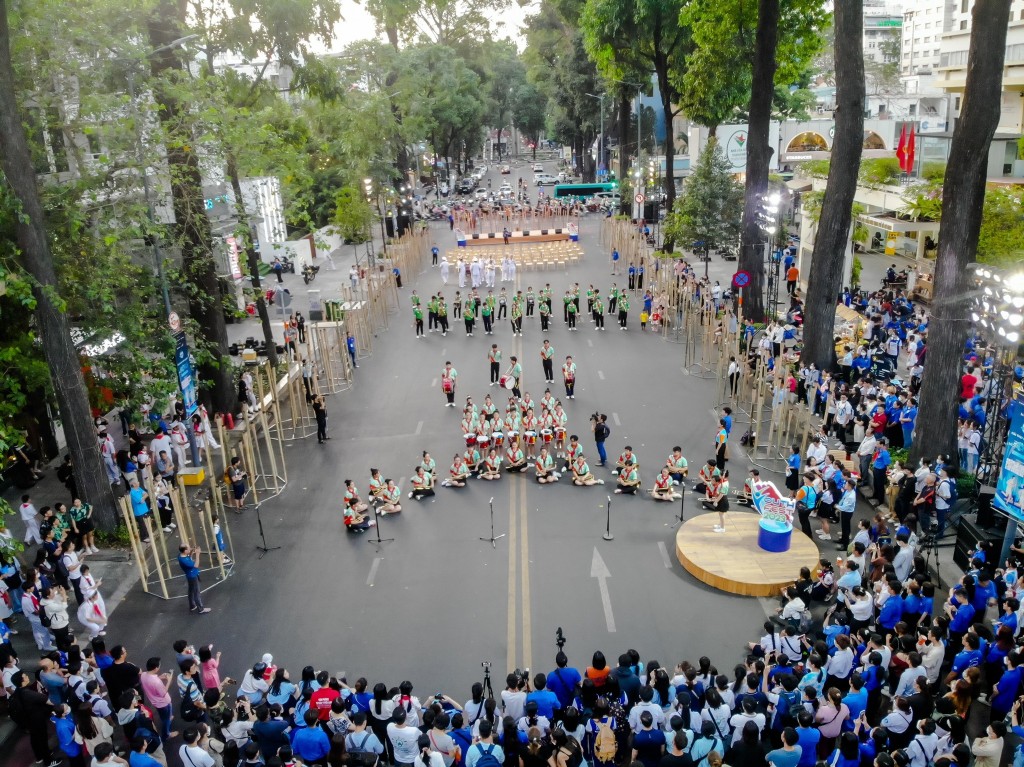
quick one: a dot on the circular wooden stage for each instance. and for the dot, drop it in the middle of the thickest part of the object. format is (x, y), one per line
(732, 561)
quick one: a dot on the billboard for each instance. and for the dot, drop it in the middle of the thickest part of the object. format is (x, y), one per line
(1010, 485)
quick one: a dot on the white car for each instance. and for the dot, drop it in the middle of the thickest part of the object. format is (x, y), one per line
(542, 179)
(481, 193)
(538, 168)
(506, 190)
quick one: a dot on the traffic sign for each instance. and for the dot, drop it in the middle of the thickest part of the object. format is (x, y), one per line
(741, 279)
(639, 198)
(174, 321)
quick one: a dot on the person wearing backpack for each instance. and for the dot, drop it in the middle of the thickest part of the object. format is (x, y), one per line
(925, 745)
(485, 752)
(945, 498)
(361, 743)
(704, 744)
(786, 701)
(192, 704)
(54, 616)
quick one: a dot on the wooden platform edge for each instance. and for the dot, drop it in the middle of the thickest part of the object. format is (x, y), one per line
(729, 586)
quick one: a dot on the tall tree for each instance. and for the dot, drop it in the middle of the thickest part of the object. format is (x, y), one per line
(54, 327)
(205, 299)
(825, 276)
(759, 154)
(709, 208)
(963, 195)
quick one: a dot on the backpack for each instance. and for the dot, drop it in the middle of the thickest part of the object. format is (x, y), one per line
(487, 757)
(575, 758)
(605, 744)
(17, 710)
(359, 756)
(789, 708)
(189, 712)
(43, 617)
(951, 484)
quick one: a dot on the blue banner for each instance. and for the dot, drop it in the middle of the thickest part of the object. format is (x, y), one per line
(186, 376)
(1010, 485)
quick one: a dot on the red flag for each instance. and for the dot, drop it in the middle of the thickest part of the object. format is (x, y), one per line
(910, 151)
(901, 149)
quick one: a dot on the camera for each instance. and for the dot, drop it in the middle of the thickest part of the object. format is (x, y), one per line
(559, 638)
(523, 675)
(486, 665)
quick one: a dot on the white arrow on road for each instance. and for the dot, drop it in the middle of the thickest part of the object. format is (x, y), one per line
(599, 570)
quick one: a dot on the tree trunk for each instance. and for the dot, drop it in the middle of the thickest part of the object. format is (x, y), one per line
(963, 197)
(667, 98)
(205, 300)
(759, 154)
(252, 258)
(825, 276)
(625, 110)
(54, 329)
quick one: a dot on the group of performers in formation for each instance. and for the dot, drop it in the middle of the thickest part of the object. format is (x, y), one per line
(493, 308)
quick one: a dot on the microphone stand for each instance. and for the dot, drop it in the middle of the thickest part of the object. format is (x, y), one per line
(378, 540)
(608, 525)
(493, 537)
(264, 548)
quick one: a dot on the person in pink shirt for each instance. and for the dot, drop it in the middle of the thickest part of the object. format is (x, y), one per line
(209, 664)
(154, 687)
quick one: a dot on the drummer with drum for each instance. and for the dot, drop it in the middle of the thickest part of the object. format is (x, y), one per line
(569, 377)
(448, 376)
(530, 432)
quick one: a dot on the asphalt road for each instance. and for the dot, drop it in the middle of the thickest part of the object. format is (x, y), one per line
(436, 602)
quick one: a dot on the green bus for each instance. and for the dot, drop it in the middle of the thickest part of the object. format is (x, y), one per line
(583, 190)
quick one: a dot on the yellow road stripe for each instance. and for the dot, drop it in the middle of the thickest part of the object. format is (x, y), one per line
(510, 661)
(525, 570)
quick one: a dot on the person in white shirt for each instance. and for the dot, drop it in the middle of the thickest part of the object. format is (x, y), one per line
(646, 704)
(749, 714)
(404, 738)
(932, 655)
(30, 517)
(864, 453)
(192, 753)
(925, 745)
(794, 607)
(513, 697)
(816, 452)
(840, 665)
(768, 643)
(717, 712)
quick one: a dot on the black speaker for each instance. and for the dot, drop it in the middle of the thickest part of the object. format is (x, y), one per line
(389, 227)
(986, 514)
(967, 536)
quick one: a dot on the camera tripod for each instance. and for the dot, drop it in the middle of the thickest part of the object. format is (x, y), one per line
(488, 690)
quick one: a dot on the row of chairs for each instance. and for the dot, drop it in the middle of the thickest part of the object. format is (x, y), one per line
(540, 255)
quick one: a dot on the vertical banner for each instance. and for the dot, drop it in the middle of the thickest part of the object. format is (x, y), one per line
(186, 376)
(1010, 485)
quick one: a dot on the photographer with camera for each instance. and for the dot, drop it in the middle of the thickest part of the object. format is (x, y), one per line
(563, 681)
(513, 697)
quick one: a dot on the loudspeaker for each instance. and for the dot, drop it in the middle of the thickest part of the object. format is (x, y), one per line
(986, 515)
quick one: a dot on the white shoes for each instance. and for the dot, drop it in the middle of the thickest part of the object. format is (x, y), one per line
(718, 529)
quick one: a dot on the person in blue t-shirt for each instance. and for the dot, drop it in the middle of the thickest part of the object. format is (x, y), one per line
(563, 681)
(874, 678)
(187, 557)
(879, 467)
(727, 419)
(790, 753)
(310, 743)
(856, 699)
(793, 470)
(961, 616)
(967, 658)
(908, 417)
(1004, 692)
(807, 738)
(892, 609)
(547, 701)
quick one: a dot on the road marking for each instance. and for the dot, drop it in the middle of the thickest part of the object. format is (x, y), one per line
(615, 419)
(400, 483)
(433, 384)
(419, 428)
(599, 570)
(512, 580)
(525, 571)
(664, 555)
(600, 374)
(590, 342)
(373, 571)
(684, 371)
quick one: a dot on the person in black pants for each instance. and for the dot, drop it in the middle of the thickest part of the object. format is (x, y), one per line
(320, 411)
(34, 711)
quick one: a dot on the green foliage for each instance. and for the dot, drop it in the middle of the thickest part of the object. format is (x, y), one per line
(923, 201)
(813, 168)
(1001, 241)
(855, 270)
(10, 547)
(715, 82)
(353, 215)
(711, 204)
(933, 171)
(811, 202)
(879, 171)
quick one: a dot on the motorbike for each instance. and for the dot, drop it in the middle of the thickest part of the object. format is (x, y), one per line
(309, 272)
(288, 266)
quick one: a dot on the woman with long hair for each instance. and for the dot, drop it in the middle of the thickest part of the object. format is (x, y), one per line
(379, 715)
(598, 670)
(831, 718)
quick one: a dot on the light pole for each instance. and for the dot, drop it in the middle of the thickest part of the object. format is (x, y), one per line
(600, 161)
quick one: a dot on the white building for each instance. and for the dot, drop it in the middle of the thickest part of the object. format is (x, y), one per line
(951, 69)
(924, 24)
(882, 22)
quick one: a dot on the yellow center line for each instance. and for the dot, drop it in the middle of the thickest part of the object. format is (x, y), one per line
(524, 543)
(510, 661)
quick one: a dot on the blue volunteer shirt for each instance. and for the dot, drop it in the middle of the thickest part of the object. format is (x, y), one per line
(966, 659)
(188, 566)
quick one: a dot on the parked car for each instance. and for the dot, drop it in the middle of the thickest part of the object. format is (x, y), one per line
(542, 179)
